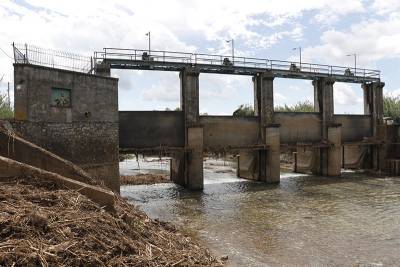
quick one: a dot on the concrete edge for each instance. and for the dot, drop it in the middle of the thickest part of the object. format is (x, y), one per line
(86, 177)
(102, 197)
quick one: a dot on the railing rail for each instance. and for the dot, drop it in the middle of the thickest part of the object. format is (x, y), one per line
(29, 54)
(58, 59)
(230, 61)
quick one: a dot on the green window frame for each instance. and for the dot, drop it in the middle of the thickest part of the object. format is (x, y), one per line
(61, 97)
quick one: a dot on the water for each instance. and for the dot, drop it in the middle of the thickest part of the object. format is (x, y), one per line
(303, 221)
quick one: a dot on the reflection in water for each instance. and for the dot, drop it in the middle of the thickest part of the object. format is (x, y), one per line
(305, 220)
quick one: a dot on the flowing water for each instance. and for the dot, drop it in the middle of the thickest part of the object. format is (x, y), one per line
(304, 221)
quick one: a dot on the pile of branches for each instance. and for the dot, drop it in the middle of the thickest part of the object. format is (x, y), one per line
(44, 225)
(144, 178)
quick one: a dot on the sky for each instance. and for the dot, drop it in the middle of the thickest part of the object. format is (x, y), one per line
(327, 31)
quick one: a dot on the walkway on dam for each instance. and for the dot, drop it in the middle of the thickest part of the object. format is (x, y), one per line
(120, 58)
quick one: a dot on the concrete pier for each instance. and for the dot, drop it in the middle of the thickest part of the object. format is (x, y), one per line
(265, 163)
(373, 106)
(193, 164)
(273, 166)
(323, 104)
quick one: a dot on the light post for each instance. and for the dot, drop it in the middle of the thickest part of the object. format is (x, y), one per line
(233, 49)
(298, 48)
(355, 62)
(148, 34)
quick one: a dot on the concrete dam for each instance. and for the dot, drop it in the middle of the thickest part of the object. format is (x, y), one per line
(72, 110)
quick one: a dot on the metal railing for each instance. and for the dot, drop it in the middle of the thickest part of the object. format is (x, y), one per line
(230, 61)
(30, 54)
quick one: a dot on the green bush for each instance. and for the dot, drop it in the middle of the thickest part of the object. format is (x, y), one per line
(6, 111)
(305, 106)
(244, 111)
(391, 107)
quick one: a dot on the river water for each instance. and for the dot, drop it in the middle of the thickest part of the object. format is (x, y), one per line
(304, 221)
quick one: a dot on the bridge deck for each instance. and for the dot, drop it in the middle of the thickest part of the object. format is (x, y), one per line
(205, 63)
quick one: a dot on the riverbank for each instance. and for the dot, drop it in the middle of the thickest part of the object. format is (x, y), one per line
(46, 225)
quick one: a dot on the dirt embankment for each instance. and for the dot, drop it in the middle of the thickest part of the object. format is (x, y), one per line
(148, 178)
(45, 225)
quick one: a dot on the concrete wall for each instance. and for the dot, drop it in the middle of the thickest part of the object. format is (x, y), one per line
(86, 133)
(299, 127)
(149, 129)
(354, 127)
(223, 131)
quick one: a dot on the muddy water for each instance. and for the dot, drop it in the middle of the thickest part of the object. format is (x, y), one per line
(303, 221)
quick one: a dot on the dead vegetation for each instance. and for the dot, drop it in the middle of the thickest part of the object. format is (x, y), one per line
(148, 178)
(44, 225)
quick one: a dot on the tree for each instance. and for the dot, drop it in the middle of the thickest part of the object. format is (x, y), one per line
(305, 106)
(244, 111)
(6, 111)
(391, 107)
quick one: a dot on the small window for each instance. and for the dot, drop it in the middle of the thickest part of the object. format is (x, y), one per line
(61, 97)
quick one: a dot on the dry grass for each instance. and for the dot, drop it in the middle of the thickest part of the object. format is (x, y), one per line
(42, 225)
(148, 178)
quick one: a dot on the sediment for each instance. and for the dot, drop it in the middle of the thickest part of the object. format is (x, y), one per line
(148, 178)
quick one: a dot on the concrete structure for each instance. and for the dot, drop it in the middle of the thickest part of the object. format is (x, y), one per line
(82, 129)
(86, 132)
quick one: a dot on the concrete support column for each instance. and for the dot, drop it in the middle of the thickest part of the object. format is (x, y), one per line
(323, 103)
(272, 140)
(193, 163)
(190, 95)
(194, 159)
(373, 106)
(264, 98)
(334, 159)
(265, 164)
(373, 103)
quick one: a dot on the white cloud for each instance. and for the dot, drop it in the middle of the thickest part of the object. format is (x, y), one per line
(393, 93)
(161, 92)
(344, 94)
(386, 6)
(372, 40)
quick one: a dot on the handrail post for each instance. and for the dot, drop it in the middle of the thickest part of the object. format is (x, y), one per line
(15, 60)
(26, 53)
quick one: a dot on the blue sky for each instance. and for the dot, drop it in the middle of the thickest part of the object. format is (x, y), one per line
(326, 30)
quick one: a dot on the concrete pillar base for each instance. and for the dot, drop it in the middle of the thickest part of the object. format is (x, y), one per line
(272, 160)
(194, 159)
(246, 165)
(177, 168)
(334, 163)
